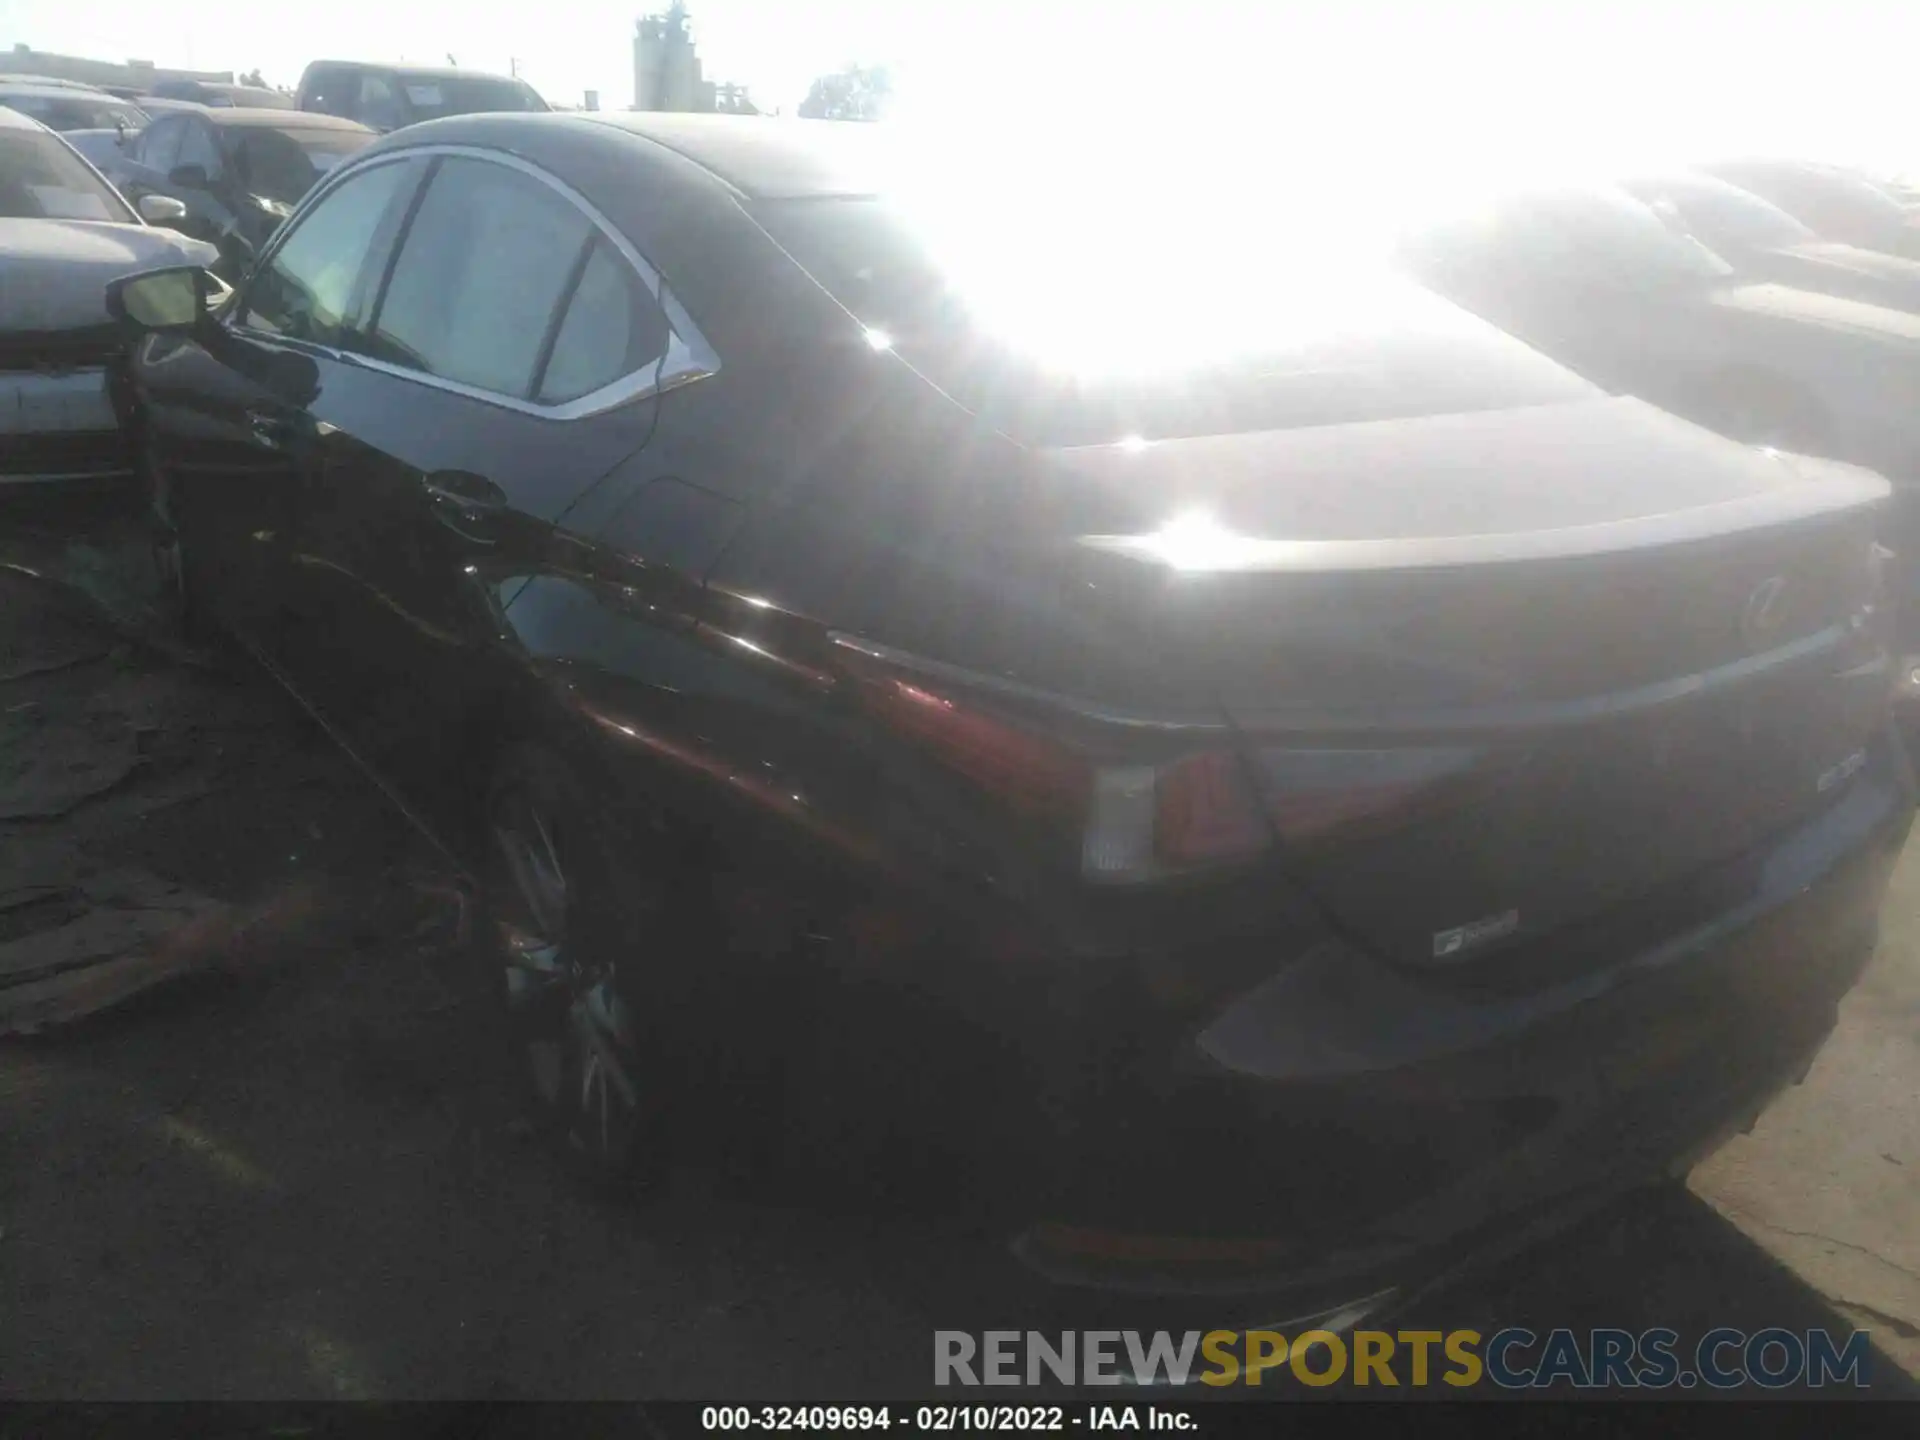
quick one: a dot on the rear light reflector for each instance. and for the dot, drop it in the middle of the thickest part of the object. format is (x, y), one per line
(1024, 771)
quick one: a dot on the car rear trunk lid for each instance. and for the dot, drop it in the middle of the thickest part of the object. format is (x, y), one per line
(1483, 708)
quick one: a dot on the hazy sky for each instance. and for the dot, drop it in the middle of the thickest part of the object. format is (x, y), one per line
(1536, 79)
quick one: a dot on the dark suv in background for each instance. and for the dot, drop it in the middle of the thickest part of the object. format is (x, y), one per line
(386, 97)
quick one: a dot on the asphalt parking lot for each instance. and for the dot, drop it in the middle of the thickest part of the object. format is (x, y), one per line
(296, 1172)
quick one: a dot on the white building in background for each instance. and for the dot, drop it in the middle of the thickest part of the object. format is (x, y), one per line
(666, 69)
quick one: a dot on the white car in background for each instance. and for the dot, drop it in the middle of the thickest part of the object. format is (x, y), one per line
(64, 234)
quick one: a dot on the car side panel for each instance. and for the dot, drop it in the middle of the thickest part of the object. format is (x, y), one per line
(397, 629)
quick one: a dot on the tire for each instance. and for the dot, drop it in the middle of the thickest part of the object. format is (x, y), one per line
(564, 924)
(191, 616)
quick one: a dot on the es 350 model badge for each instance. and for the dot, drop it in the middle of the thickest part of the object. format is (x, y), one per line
(1457, 942)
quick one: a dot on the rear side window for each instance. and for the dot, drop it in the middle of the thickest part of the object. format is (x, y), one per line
(305, 290)
(613, 327)
(479, 277)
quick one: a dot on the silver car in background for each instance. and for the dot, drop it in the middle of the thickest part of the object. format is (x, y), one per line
(64, 234)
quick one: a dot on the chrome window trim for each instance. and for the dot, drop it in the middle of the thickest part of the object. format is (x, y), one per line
(689, 357)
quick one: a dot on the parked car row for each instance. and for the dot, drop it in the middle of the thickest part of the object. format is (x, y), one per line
(1331, 802)
(236, 172)
(382, 97)
(388, 97)
(69, 107)
(237, 156)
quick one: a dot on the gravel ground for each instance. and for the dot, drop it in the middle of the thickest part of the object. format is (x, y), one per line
(299, 1175)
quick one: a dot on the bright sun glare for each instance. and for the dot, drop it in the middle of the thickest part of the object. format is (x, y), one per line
(1120, 247)
(1117, 189)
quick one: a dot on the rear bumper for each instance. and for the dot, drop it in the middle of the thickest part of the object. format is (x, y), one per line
(1347, 1132)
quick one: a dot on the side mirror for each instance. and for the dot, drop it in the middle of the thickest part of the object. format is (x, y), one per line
(161, 209)
(161, 302)
(189, 177)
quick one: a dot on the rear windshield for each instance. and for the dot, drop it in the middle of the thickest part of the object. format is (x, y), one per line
(284, 164)
(41, 179)
(431, 97)
(1059, 347)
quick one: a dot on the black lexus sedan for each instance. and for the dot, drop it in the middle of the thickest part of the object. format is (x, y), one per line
(1287, 815)
(1763, 242)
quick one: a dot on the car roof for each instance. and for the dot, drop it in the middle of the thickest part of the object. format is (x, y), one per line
(242, 117)
(1697, 181)
(769, 157)
(425, 72)
(11, 119)
(762, 157)
(1774, 165)
(51, 82)
(39, 90)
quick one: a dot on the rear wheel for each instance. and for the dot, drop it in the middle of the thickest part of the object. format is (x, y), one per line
(567, 958)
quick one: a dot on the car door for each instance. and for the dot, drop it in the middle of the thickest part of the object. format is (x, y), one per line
(228, 419)
(510, 357)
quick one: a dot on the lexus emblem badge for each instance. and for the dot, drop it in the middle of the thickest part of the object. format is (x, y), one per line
(1765, 613)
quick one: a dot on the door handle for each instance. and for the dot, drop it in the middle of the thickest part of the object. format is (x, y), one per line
(463, 501)
(271, 430)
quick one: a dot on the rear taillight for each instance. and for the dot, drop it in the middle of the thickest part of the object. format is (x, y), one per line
(1133, 822)
(1210, 808)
